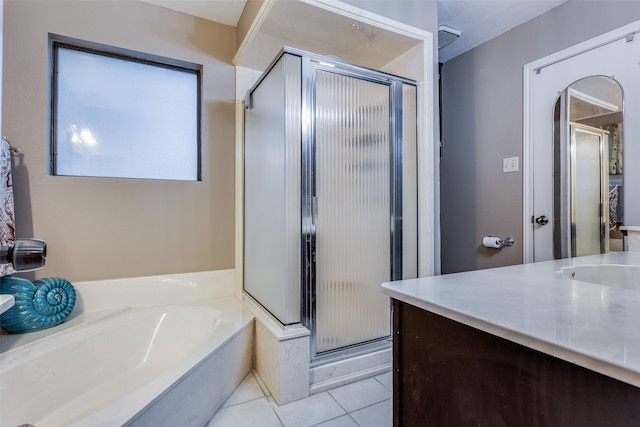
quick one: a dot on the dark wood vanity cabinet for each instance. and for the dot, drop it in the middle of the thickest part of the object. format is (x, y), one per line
(446, 373)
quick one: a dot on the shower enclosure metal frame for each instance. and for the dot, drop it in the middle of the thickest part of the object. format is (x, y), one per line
(306, 287)
(569, 161)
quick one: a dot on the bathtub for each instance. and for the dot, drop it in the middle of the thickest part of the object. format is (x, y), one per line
(170, 356)
(614, 275)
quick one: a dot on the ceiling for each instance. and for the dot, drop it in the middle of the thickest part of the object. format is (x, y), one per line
(478, 20)
(482, 20)
(223, 11)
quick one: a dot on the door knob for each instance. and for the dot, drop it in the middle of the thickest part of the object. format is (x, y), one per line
(542, 220)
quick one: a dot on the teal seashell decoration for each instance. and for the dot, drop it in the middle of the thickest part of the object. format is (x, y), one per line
(38, 305)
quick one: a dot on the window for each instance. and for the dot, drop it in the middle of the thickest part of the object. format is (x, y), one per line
(123, 114)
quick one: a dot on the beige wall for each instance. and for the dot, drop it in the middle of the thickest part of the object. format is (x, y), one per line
(98, 228)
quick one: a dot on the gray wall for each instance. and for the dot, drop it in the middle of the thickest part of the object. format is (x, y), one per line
(102, 228)
(482, 124)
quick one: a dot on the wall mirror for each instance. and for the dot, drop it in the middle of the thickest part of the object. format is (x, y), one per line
(588, 168)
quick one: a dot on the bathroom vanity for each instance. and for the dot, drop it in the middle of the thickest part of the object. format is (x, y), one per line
(524, 345)
(632, 237)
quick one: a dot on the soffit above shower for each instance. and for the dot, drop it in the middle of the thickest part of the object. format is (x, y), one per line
(304, 26)
(478, 20)
(594, 97)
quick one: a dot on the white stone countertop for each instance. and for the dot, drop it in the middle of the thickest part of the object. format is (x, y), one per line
(594, 326)
(629, 228)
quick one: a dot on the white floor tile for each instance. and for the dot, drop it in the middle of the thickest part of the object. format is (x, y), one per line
(386, 380)
(257, 412)
(343, 421)
(360, 394)
(310, 411)
(368, 403)
(262, 385)
(378, 415)
(248, 390)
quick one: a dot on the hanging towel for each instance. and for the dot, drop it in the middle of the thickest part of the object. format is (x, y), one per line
(613, 207)
(7, 213)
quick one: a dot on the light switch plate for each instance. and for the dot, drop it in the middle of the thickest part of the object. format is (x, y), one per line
(510, 164)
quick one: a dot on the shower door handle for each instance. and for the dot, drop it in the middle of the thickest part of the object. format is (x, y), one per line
(314, 209)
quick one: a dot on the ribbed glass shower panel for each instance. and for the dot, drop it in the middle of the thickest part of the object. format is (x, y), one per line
(352, 189)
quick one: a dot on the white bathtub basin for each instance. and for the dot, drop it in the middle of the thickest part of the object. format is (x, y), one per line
(614, 275)
(106, 372)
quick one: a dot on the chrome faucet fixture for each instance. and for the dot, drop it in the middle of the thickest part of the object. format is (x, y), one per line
(25, 254)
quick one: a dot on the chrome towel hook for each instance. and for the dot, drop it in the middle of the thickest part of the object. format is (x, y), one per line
(15, 151)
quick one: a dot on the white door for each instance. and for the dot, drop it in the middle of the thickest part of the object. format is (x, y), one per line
(619, 60)
(352, 182)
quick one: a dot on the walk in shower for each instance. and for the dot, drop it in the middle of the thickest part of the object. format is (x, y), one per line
(330, 198)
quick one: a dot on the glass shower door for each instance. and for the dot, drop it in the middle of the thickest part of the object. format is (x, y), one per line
(589, 204)
(352, 208)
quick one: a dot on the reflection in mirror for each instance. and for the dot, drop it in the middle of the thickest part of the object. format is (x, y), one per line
(588, 168)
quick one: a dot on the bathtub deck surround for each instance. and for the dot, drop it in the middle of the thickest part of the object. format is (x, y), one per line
(6, 302)
(144, 351)
(551, 345)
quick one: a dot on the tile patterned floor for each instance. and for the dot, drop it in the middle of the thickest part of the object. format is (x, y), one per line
(366, 403)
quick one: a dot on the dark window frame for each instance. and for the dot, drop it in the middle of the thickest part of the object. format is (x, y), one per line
(58, 41)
